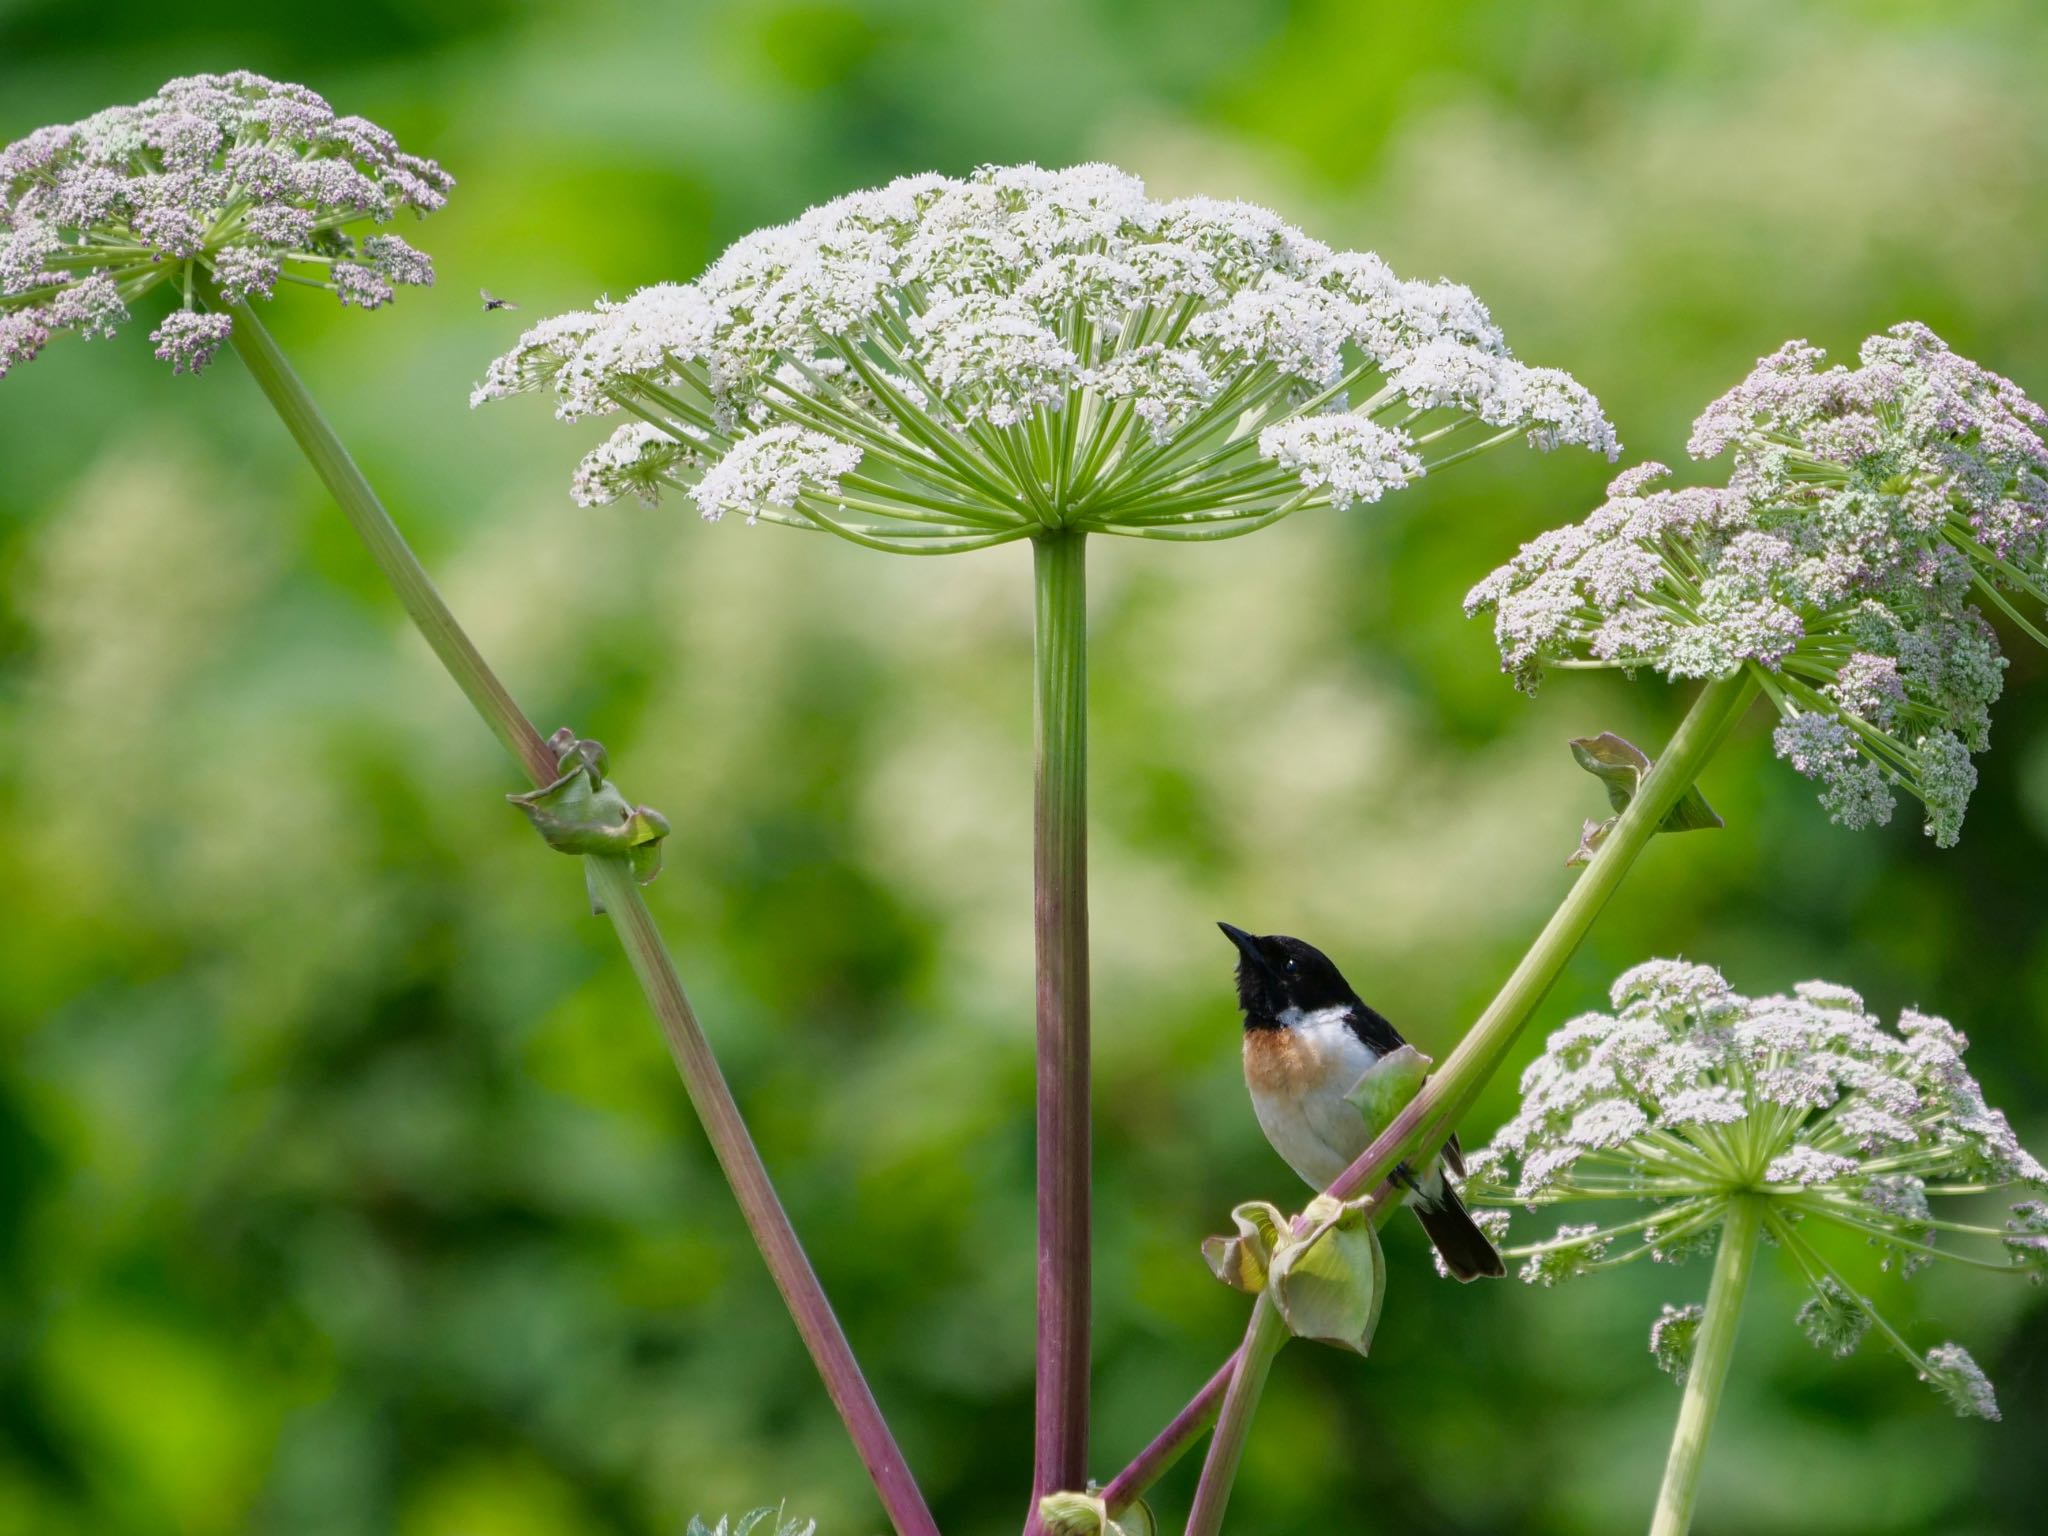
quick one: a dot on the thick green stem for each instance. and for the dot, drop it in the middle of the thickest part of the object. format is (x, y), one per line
(1741, 1234)
(1060, 863)
(1263, 1337)
(689, 1049)
(415, 589)
(1427, 1122)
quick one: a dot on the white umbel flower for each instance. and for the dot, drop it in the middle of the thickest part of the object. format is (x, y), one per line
(1027, 350)
(1352, 459)
(639, 460)
(993, 358)
(770, 471)
(1689, 1097)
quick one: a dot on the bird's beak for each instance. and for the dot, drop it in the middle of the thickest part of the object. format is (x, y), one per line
(1247, 945)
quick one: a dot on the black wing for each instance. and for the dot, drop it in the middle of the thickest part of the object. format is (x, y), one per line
(1372, 1027)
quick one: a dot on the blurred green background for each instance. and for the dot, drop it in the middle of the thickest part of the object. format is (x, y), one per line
(344, 1187)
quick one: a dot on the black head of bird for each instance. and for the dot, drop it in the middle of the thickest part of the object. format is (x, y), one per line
(1279, 976)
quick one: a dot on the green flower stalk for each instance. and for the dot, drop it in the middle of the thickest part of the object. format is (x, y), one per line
(217, 188)
(940, 366)
(1740, 1120)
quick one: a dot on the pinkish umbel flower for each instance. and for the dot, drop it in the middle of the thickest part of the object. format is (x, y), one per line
(1869, 514)
(187, 339)
(219, 187)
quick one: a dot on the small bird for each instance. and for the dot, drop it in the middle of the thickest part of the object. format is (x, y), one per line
(1307, 1039)
(492, 301)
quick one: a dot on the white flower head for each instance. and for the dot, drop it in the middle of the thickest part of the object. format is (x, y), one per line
(769, 471)
(1352, 458)
(993, 357)
(638, 460)
(1832, 1319)
(1868, 512)
(229, 183)
(2026, 1238)
(1572, 1252)
(187, 340)
(1164, 386)
(1031, 349)
(1689, 1097)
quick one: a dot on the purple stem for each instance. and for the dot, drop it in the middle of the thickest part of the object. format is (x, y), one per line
(1060, 919)
(1172, 1442)
(710, 1095)
(1263, 1336)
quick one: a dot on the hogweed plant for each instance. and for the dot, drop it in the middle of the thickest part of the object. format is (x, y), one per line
(1740, 1121)
(219, 189)
(234, 181)
(940, 366)
(1868, 508)
(1834, 573)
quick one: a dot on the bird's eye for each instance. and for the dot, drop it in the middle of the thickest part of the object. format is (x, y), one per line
(1293, 966)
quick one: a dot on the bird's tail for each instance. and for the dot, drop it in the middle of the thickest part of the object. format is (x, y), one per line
(1467, 1252)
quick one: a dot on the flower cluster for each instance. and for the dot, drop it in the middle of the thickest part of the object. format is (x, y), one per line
(1867, 511)
(945, 364)
(1690, 1096)
(222, 186)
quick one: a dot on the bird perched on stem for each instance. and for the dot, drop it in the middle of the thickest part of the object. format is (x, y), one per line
(1308, 1038)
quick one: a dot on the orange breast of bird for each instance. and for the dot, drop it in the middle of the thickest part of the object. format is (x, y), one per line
(1291, 1063)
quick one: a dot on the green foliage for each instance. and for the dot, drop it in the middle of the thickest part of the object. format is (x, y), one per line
(1387, 1086)
(583, 812)
(345, 1189)
(1620, 766)
(1328, 1281)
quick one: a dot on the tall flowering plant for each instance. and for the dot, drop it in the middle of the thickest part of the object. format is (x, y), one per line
(1837, 573)
(1870, 510)
(223, 189)
(943, 366)
(1737, 1120)
(940, 366)
(229, 180)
